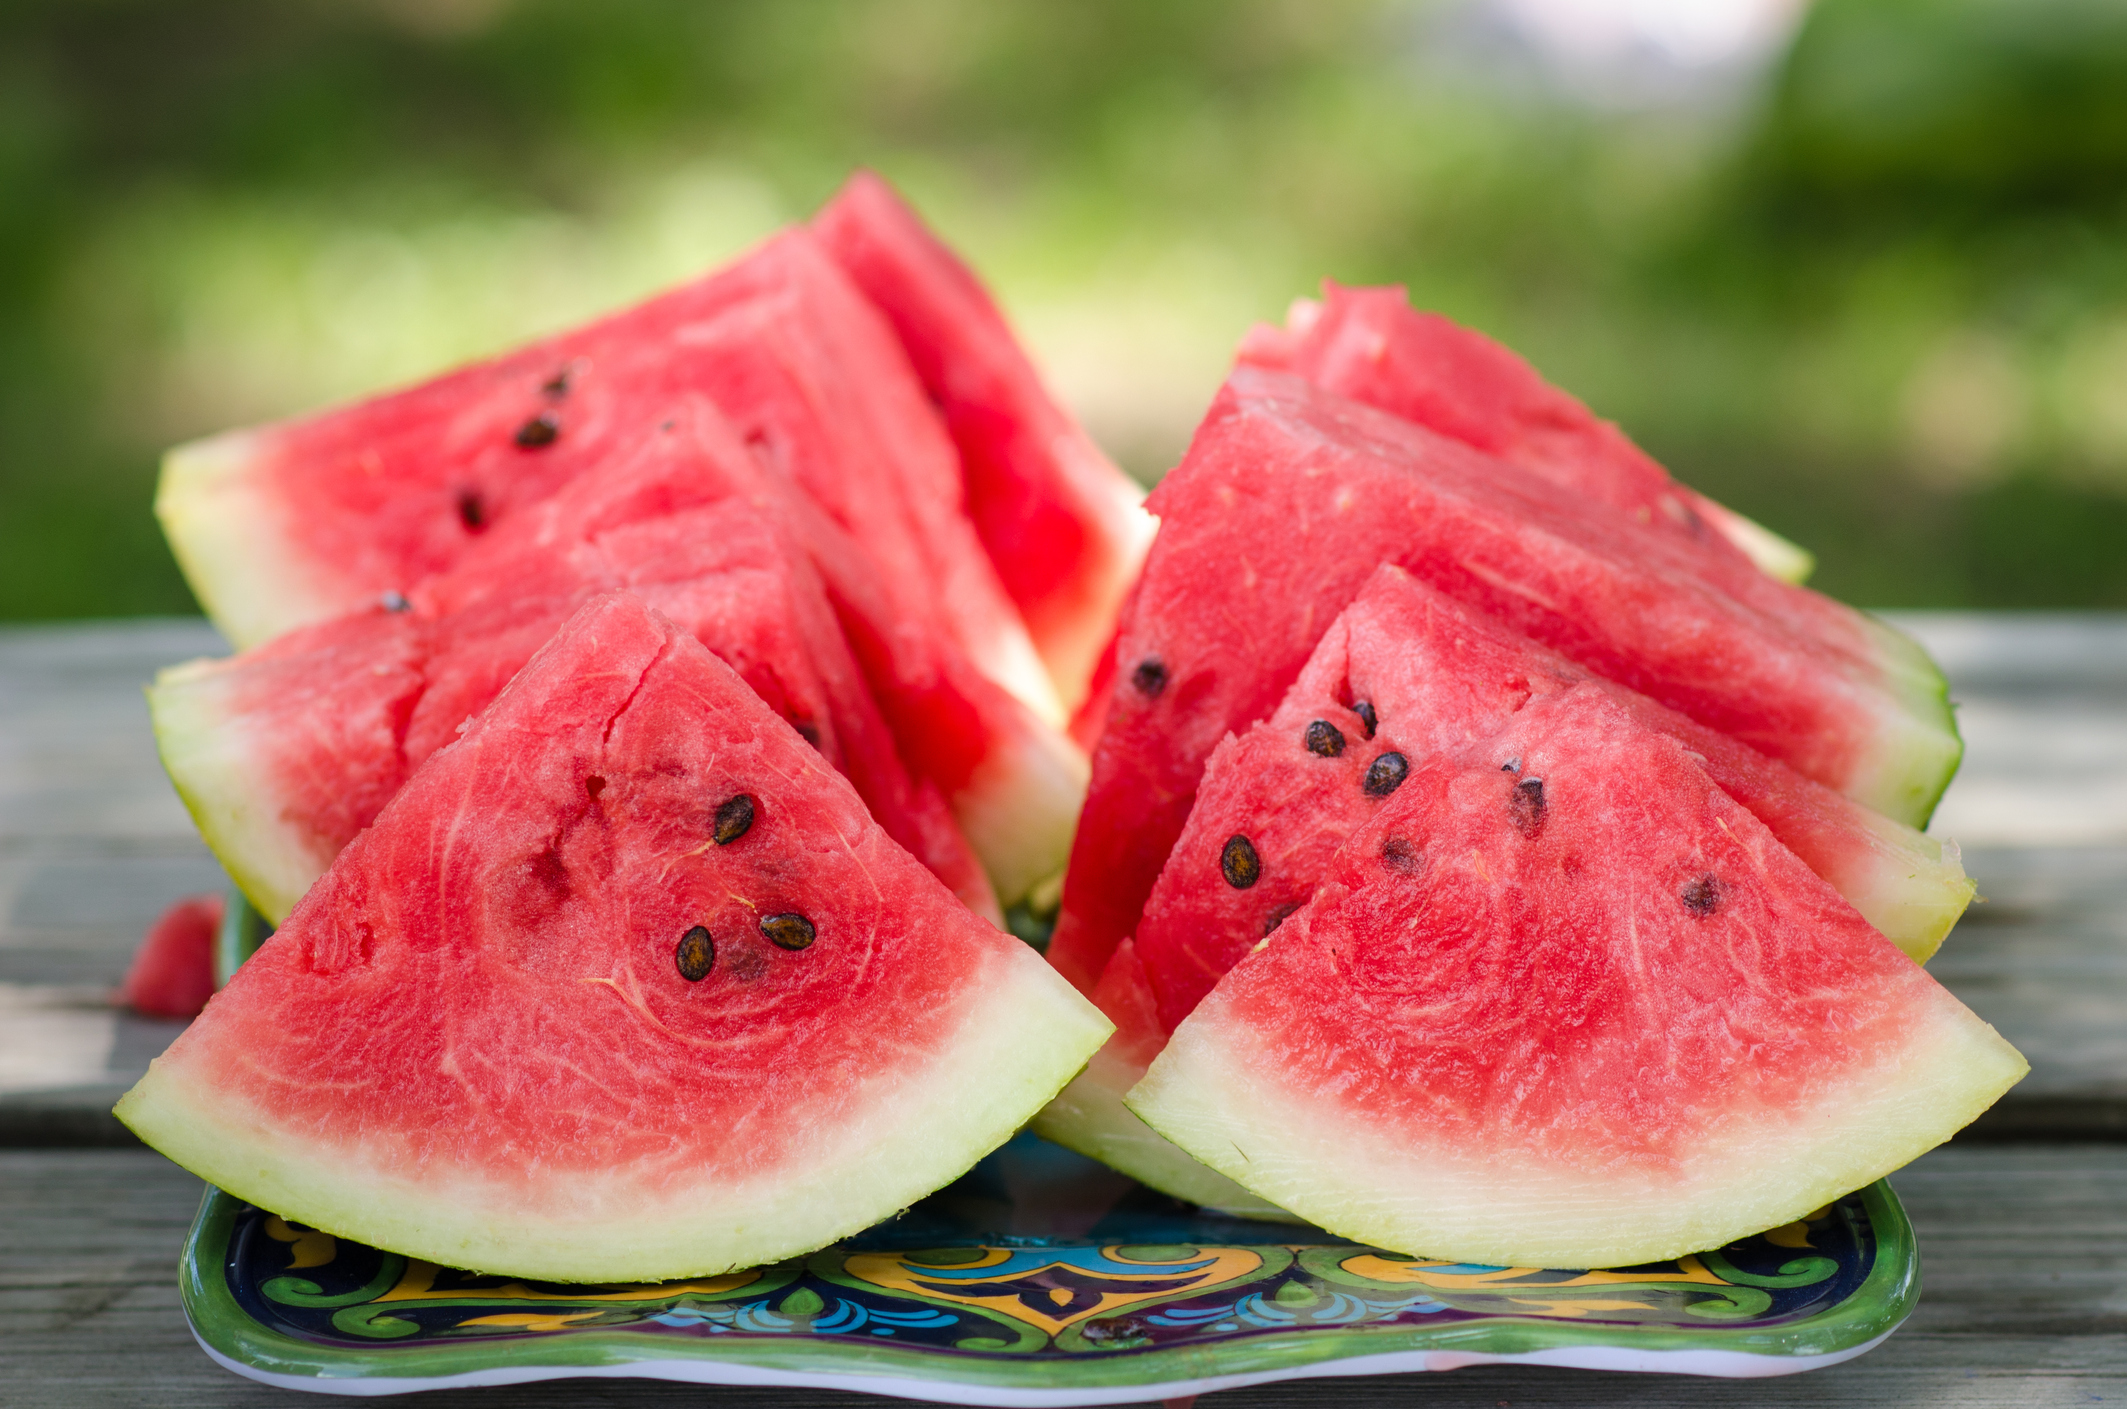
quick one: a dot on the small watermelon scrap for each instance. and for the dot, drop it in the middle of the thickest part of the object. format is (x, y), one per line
(623, 985)
(172, 973)
(1066, 529)
(1369, 344)
(1290, 497)
(1563, 1003)
(286, 751)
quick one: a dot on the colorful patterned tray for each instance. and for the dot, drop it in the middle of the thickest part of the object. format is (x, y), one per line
(1042, 1278)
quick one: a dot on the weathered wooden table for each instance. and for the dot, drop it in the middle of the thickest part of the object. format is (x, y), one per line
(2022, 1220)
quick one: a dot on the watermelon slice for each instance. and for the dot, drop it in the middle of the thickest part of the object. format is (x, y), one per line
(1369, 344)
(1437, 677)
(286, 751)
(623, 985)
(172, 973)
(1065, 528)
(1567, 1005)
(312, 518)
(1288, 500)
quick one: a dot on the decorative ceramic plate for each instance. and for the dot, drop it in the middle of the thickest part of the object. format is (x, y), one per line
(1042, 1278)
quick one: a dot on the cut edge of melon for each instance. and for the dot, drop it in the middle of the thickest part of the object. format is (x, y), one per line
(231, 803)
(1072, 656)
(1019, 1044)
(1773, 555)
(1089, 1116)
(1918, 753)
(1356, 1180)
(1913, 889)
(1020, 809)
(228, 542)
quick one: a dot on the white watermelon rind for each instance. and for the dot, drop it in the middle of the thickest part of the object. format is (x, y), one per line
(1215, 1091)
(231, 799)
(227, 538)
(1912, 759)
(1020, 809)
(1025, 1033)
(1089, 1116)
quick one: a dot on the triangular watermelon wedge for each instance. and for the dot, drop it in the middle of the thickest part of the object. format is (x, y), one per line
(1435, 677)
(1563, 1003)
(623, 985)
(1288, 500)
(310, 518)
(284, 752)
(1065, 528)
(1369, 344)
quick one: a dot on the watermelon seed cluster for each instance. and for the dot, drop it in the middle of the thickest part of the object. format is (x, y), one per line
(696, 954)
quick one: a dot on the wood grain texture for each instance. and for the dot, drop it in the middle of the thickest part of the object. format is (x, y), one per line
(2025, 1303)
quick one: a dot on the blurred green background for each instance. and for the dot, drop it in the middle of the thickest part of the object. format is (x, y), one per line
(1866, 281)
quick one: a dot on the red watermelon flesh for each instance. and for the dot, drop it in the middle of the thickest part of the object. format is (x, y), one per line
(1438, 677)
(1287, 501)
(1064, 527)
(172, 973)
(316, 517)
(491, 1036)
(812, 377)
(1564, 1003)
(286, 751)
(1369, 344)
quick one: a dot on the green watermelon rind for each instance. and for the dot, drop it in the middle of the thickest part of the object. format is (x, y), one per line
(224, 534)
(1484, 1209)
(1025, 1037)
(230, 803)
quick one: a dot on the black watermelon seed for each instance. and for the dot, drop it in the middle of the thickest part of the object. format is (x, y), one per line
(696, 954)
(1150, 677)
(733, 819)
(1385, 774)
(790, 931)
(1702, 897)
(1399, 855)
(594, 785)
(471, 512)
(539, 432)
(1239, 863)
(1277, 917)
(395, 602)
(1325, 739)
(556, 386)
(1526, 807)
(1365, 711)
(1512, 765)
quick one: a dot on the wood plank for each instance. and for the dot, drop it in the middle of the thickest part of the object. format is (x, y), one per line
(2025, 1304)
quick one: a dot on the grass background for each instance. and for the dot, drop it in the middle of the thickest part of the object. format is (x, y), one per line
(1875, 296)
